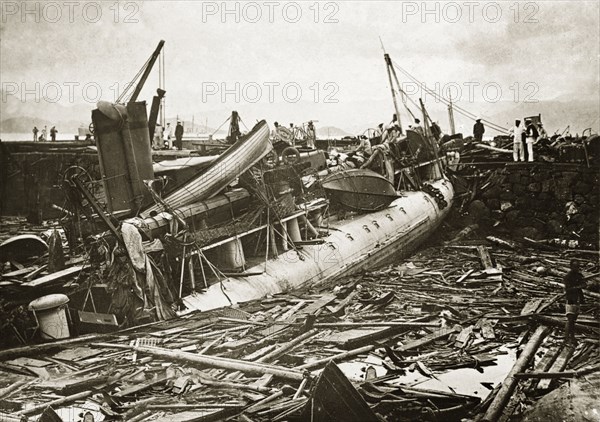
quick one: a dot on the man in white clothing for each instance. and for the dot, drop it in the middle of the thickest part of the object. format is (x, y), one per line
(516, 132)
(391, 131)
(167, 136)
(532, 135)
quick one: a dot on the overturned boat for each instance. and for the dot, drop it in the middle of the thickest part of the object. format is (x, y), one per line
(248, 224)
(360, 189)
(311, 226)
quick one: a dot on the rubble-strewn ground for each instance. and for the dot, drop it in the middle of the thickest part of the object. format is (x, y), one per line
(429, 338)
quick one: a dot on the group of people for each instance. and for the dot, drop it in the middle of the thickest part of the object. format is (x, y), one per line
(524, 136)
(163, 137)
(391, 133)
(43, 134)
(292, 134)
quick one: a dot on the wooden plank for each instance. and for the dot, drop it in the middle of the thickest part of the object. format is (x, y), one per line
(28, 362)
(76, 354)
(212, 361)
(21, 272)
(484, 256)
(342, 304)
(64, 400)
(345, 337)
(140, 387)
(558, 366)
(487, 330)
(558, 375)
(463, 337)
(531, 306)
(290, 312)
(97, 318)
(35, 273)
(314, 308)
(59, 275)
(464, 276)
(430, 338)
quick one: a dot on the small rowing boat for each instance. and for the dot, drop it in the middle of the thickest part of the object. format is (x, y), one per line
(360, 190)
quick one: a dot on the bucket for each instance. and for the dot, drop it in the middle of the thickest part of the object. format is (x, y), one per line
(51, 315)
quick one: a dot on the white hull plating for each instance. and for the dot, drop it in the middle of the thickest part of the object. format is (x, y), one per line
(357, 243)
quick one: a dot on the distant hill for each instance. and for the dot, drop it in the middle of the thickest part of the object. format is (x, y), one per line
(26, 124)
(22, 124)
(20, 117)
(331, 132)
(195, 128)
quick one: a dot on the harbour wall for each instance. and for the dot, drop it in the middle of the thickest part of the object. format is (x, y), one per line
(31, 176)
(544, 201)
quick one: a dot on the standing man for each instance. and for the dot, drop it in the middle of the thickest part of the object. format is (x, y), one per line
(516, 132)
(167, 136)
(179, 136)
(531, 137)
(574, 284)
(478, 130)
(311, 135)
(53, 132)
(43, 135)
(418, 128)
(158, 137)
(35, 132)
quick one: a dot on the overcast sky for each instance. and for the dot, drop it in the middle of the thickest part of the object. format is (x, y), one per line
(544, 50)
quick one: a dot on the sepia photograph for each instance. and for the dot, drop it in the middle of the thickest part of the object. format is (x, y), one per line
(260, 211)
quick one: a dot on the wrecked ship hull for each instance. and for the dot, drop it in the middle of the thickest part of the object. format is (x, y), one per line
(354, 244)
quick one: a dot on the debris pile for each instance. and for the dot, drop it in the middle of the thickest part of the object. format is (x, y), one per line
(462, 331)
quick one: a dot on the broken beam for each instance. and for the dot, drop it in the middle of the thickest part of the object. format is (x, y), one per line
(510, 382)
(213, 361)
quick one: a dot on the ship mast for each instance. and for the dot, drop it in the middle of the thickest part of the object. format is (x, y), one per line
(451, 117)
(390, 72)
(161, 85)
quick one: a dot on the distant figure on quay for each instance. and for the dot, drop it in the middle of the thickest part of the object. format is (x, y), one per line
(53, 132)
(167, 137)
(478, 130)
(179, 136)
(35, 132)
